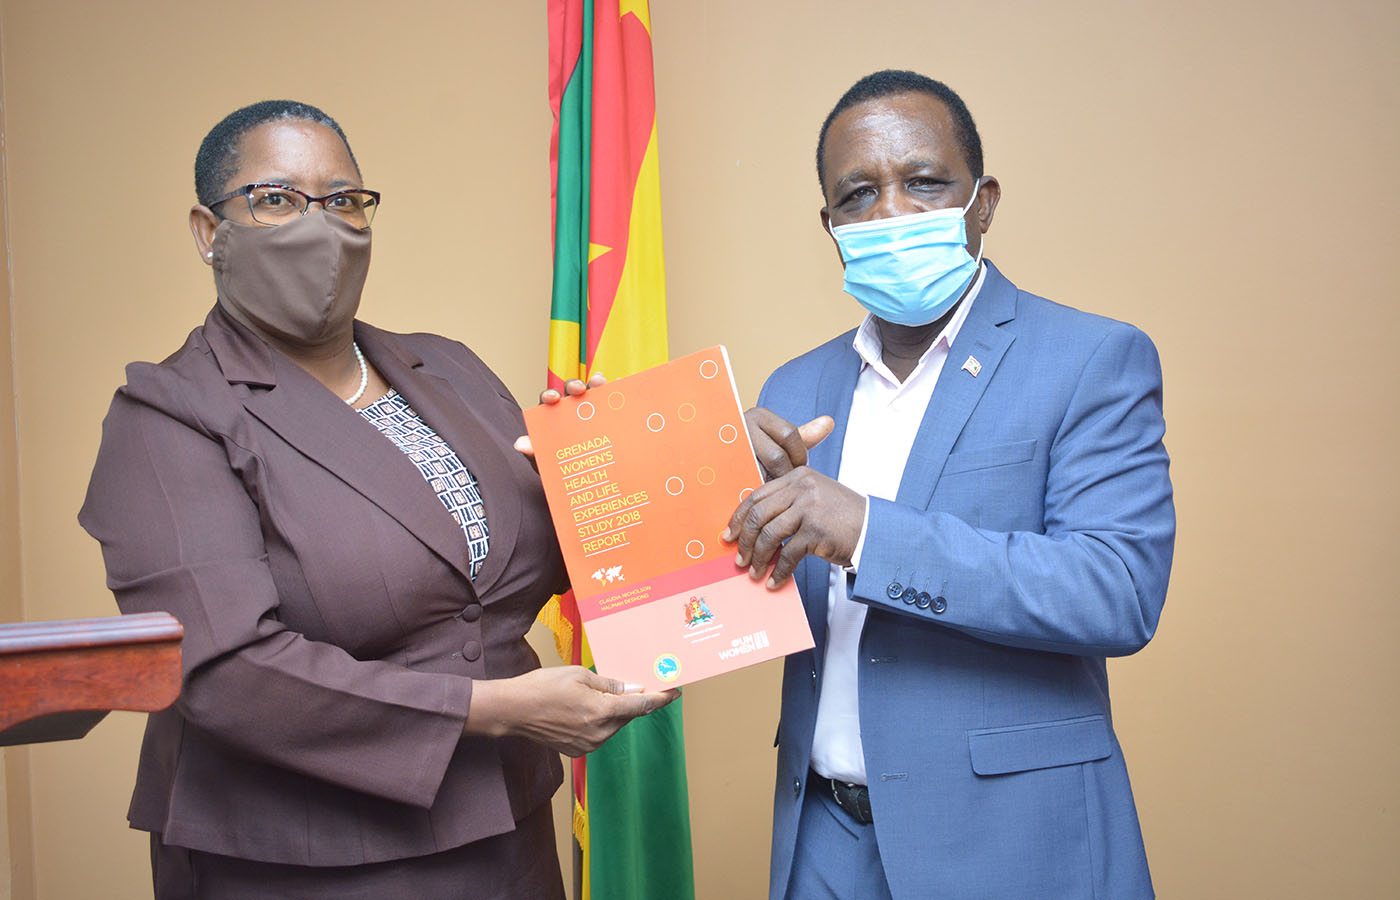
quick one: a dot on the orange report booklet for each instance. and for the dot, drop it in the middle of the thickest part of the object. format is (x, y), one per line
(642, 475)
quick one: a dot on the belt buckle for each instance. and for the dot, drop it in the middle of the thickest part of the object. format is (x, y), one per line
(836, 795)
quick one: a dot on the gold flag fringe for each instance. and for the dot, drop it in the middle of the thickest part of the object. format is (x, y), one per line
(553, 618)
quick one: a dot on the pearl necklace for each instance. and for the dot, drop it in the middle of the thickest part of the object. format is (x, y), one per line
(364, 374)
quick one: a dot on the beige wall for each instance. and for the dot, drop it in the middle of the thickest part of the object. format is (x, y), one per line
(1220, 174)
(16, 849)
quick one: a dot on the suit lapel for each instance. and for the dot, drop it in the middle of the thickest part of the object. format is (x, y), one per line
(322, 427)
(954, 398)
(453, 416)
(835, 388)
(983, 341)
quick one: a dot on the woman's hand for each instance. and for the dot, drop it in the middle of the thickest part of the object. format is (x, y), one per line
(549, 396)
(567, 708)
(573, 387)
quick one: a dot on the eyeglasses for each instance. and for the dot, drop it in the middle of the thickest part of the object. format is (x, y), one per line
(277, 204)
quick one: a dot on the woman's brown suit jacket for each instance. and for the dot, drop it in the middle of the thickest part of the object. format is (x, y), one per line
(332, 635)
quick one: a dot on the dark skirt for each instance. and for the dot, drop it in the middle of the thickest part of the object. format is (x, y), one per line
(520, 865)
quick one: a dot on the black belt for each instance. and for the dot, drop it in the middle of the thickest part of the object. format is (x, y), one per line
(854, 799)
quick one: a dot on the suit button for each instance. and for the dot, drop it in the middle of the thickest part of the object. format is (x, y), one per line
(796, 786)
(472, 612)
(923, 600)
(939, 604)
(894, 590)
(910, 595)
(814, 679)
(471, 651)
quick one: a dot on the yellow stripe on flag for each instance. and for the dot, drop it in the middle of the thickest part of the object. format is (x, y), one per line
(635, 338)
(563, 357)
(638, 8)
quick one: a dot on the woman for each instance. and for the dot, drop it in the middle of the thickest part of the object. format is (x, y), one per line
(337, 517)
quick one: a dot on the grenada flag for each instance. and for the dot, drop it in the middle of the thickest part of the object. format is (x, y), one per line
(631, 813)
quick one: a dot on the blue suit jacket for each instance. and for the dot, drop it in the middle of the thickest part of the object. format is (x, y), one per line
(1031, 538)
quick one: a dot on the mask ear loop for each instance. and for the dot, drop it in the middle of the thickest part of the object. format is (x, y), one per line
(973, 199)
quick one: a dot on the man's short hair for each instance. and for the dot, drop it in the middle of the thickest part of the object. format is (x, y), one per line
(888, 83)
(217, 158)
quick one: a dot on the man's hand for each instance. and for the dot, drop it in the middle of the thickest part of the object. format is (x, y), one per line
(781, 446)
(549, 396)
(566, 708)
(814, 514)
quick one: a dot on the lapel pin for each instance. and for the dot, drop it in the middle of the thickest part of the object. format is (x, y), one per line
(972, 366)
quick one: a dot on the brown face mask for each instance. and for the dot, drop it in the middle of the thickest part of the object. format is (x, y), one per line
(298, 282)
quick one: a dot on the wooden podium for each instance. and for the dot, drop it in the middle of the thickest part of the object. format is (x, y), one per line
(58, 679)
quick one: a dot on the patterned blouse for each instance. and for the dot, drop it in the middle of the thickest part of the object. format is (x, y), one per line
(455, 486)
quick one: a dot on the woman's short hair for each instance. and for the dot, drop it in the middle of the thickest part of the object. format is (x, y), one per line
(217, 158)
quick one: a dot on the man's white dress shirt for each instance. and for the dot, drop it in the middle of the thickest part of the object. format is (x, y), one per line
(885, 417)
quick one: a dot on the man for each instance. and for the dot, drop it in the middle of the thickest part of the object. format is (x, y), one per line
(987, 518)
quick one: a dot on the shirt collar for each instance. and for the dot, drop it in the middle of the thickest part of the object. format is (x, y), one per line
(867, 340)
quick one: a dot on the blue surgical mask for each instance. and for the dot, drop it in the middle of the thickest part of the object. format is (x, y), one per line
(911, 269)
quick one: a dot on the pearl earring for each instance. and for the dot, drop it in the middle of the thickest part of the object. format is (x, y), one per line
(209, 255)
